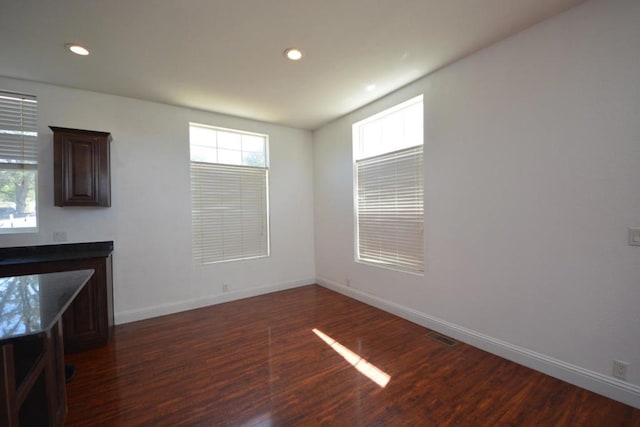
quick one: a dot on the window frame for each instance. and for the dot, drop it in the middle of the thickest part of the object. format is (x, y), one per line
(358, 148)
(242, 173)
(20, 124)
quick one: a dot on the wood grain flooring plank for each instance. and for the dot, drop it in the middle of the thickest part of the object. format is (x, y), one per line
(258, 362)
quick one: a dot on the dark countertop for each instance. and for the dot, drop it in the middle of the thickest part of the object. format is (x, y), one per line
(47, 253)
(30, 305)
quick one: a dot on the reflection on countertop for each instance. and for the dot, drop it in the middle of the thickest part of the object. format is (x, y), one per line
(29, 305)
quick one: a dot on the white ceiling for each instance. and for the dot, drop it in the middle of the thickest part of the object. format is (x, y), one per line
(226, 55)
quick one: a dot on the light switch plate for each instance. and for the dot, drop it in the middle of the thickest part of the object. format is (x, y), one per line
(634, 237)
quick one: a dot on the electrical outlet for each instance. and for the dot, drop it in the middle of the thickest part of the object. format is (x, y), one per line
(59, 236)
(225, 288)
(620, 369)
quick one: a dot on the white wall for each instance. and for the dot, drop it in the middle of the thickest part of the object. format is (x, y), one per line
(532, 175)
(150, 217)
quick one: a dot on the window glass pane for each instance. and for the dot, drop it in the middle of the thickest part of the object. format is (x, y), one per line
(229, 157)
(413, 127)
(253, 159)
(253, 143)
(229, 140)
(392, 133)
(204, 154)
(371, 139)
(202, 136)
(395, 129)
(17, 199)
(212, 145)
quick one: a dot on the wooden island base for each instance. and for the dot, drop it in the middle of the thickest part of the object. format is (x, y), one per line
(32, 367)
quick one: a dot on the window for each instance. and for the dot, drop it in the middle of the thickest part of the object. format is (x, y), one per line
(389, 193)
(18, 163)
(229, 194)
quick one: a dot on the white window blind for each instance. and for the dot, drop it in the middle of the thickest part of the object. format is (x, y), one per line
(390, 210)
(18, 130)
(388, 188)
(18, 163)
(230, 203)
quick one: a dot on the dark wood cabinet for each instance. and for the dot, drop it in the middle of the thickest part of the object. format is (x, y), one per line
(88, 321)
(81, 164)
(32, 368)
(32, 381)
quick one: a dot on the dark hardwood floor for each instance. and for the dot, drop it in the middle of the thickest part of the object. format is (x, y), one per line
(257, 362)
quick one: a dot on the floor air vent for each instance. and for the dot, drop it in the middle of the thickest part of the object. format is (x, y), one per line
(442, 339)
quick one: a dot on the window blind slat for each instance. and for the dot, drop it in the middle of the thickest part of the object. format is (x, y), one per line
(18, 129)
(230, 218)
(390, 212)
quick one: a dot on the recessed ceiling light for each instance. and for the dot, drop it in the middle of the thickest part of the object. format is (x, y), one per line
(77, 49)
(293, 54)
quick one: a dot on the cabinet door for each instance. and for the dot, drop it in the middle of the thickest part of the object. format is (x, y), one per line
(83, 180)
(81, 168)
(85, 322)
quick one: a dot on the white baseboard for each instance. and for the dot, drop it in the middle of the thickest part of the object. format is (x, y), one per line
(598, 383)
(176, 307)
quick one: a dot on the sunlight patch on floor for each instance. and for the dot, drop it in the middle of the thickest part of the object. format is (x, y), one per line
(367, 369)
